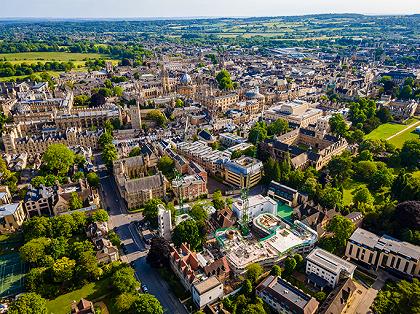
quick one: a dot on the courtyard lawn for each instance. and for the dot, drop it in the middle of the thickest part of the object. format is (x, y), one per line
(349, 187)
(94, 291)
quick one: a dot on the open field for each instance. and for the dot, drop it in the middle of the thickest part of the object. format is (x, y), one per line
(407, 135)
(33, 57)
(92, 292)
(17, 77)
(389, 131)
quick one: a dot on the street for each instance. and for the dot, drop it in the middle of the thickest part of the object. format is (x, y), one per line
(136, 250)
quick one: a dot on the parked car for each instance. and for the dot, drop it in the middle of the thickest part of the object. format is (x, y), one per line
(144, 288)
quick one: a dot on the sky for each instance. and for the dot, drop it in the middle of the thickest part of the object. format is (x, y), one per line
(198, 8)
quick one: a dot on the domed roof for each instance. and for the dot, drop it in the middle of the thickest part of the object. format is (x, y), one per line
(253, 94)
(185, 79)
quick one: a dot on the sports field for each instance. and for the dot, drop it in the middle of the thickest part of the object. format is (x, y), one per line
(12, 272)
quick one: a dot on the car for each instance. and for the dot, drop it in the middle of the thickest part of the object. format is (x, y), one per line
(132, 264)
(108, 209)
(144, 288)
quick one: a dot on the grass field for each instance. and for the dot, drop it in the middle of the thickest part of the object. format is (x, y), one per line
(92, 292)
(384, 131)
(12, 272)
(33, 57)
(407, 135)
(349, 187)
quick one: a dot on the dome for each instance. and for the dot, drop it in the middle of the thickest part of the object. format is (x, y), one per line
(185, 79)
(253, 94)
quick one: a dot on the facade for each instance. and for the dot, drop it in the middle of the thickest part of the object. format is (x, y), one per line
(328, 267)
(254, 206)
(16, 142)
(230, 139)
(133, 183)
(286, 194)
(243, 172)
(164, 222)
(297, 113)
(384, 252)
(206, 292)
(283, 297)
(306, 147)
(11, 217)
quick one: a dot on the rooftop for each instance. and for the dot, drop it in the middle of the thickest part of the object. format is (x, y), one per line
(330, 261)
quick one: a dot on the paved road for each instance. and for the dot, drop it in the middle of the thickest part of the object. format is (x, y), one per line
(136, 251)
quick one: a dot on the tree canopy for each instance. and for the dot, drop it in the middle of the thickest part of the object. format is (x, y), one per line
(57, 159)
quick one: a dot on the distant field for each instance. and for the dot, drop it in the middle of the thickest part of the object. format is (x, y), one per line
(48, 56)
(16, 77)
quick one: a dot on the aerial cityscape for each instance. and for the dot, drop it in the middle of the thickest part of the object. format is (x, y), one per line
(225, 159)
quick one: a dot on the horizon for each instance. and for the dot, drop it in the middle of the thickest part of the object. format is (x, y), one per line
(190, 9)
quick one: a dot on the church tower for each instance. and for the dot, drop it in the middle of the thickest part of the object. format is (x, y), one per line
(135, 116)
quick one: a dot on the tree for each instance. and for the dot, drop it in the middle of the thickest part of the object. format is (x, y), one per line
(105, 139)
(81, 100)
(36, 227)
(407, 214)
(406, 187)
(253, 272)
(166, 165)
(320, 296)
(114, 238)
(384, 114)
(340, 168)
(381, 178)
(75, 201)
(187, 232)
(224, 80)
(109, 154)
(278, 127)
(276, 270)
(179, 103)
(199, 213)
(158, 255)
(150, 211)
(29, 303)
(254, 309)
(362, 196)
(406, 92)
(100, 215)
(136, 151)
(63, 225)
(218, 201)
(400, 297)
(410, 154)
(331, 198)
(79, 247)
(246, 287)
(57, 159)
(34, 250)
(338, 124)
(93, 179)
(34, 278)
(147, 304)
(58, 247)
(342, 228)
(157, 116)
(364, 170)
(97, 99)
(289, 266)
(258, 133)
(125, 301)
(123, 280)
(87, 267)
(63, 269)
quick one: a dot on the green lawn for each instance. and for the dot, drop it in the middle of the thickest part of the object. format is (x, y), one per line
(92, 292)
(385, 130)
(407, 135)
(349, 187)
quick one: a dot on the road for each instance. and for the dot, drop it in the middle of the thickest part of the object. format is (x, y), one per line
(136, 251)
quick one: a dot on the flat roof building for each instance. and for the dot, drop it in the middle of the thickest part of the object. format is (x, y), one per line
(283, 297)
